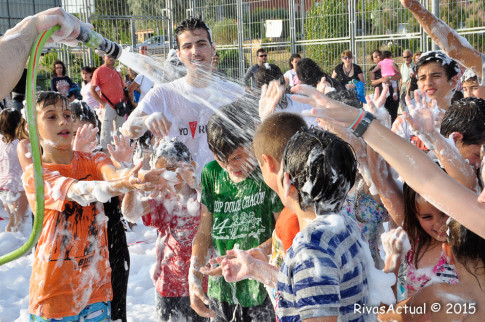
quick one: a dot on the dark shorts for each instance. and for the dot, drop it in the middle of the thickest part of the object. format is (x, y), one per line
(176, 309)
(235, 312)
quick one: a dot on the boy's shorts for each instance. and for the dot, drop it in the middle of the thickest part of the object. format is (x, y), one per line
(96, 312)
(226, 312)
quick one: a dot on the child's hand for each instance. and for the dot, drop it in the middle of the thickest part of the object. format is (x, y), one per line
(375, 105)
(85, 140)
(198, 301)
(236, 266)
(122, 151)
(424, 117)
(324, 87)
(396, 246)
(151, 178)
(270, 97)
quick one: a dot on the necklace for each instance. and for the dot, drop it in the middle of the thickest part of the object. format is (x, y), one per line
(348, 73)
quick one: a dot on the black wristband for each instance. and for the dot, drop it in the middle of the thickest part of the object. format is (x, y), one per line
(363, 124)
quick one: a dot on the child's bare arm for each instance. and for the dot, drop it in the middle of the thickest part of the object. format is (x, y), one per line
(376, 68)
(200, 249)
(86, 192)
(133, 208)
(447, 39)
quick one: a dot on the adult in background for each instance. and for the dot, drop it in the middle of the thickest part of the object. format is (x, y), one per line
(376, 80)
(262, 57)
(346, 72)
(87, 75)
(413, 82)
(60, 82)
(291, 79)
(406, 71)
(182, 108)
(111, 87)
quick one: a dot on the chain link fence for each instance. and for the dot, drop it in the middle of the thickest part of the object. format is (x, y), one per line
(320, 30)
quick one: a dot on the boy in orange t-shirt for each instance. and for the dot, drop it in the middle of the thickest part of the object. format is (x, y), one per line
(71, 273)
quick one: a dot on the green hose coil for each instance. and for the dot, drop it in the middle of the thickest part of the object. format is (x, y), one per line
(34, 142)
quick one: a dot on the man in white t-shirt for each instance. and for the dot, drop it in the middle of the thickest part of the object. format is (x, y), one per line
(183, 107)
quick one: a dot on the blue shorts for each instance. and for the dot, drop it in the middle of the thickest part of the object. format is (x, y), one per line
(96, 312)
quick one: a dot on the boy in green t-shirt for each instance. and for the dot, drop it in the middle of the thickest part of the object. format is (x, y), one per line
(238, 212)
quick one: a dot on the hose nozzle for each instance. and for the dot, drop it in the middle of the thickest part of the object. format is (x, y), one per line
(94, 40)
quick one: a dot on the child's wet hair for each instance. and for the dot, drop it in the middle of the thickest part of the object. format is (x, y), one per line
(346, 96)
(322, 168)
(83, 113)
(46, 98)
(267, 73)
(310, 73)
(449, 64)
(468, 248)
(466, 116)
(232, 126)
(171, 150)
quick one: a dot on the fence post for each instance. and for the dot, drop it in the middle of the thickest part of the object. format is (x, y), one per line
(240, 36)
(436, 12)
(352, 27)
(292, 21)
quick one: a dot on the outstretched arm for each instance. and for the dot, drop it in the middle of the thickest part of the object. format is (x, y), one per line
(15, 45)
(447, 39)
(413, 165)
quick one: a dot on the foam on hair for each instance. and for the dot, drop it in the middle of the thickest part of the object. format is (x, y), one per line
(322, 167)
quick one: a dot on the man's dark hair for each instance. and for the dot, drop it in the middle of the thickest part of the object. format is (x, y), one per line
(310, 73)
(292, 57)
(347, 97)
(322, 168)
(267, 73)
(449, 64)
(466, 116)
(232, 126)
(260, 50)
(192, 24)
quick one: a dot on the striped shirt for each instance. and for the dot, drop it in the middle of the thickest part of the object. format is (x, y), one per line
(324, 272)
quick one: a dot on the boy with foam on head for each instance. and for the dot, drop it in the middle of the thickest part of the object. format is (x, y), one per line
(175, 213)
(71, 273)
(238, 212)
(473, 85)
(328, 270)
(437, 76)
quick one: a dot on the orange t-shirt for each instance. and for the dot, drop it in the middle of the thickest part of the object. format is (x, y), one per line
(286, 228)
(71, 268)
(110, 83)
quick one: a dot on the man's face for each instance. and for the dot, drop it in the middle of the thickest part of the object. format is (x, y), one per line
(408, 57)
(238, 165)
(109, 61)
(55, 125)
(473, 89)
(195, 49)
(433, 80)
(262, 57)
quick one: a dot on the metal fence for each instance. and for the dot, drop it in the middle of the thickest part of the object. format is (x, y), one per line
(320, 30)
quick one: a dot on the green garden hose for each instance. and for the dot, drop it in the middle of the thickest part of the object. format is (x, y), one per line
(34, 142)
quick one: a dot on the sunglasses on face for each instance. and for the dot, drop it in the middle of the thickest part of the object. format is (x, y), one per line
(406, 57)
(263, 55)
(346, 57)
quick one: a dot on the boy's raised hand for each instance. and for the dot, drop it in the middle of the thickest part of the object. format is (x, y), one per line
(270, 97)
(236, 265)
(85, 139)
(122, 152)
(198, 301)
